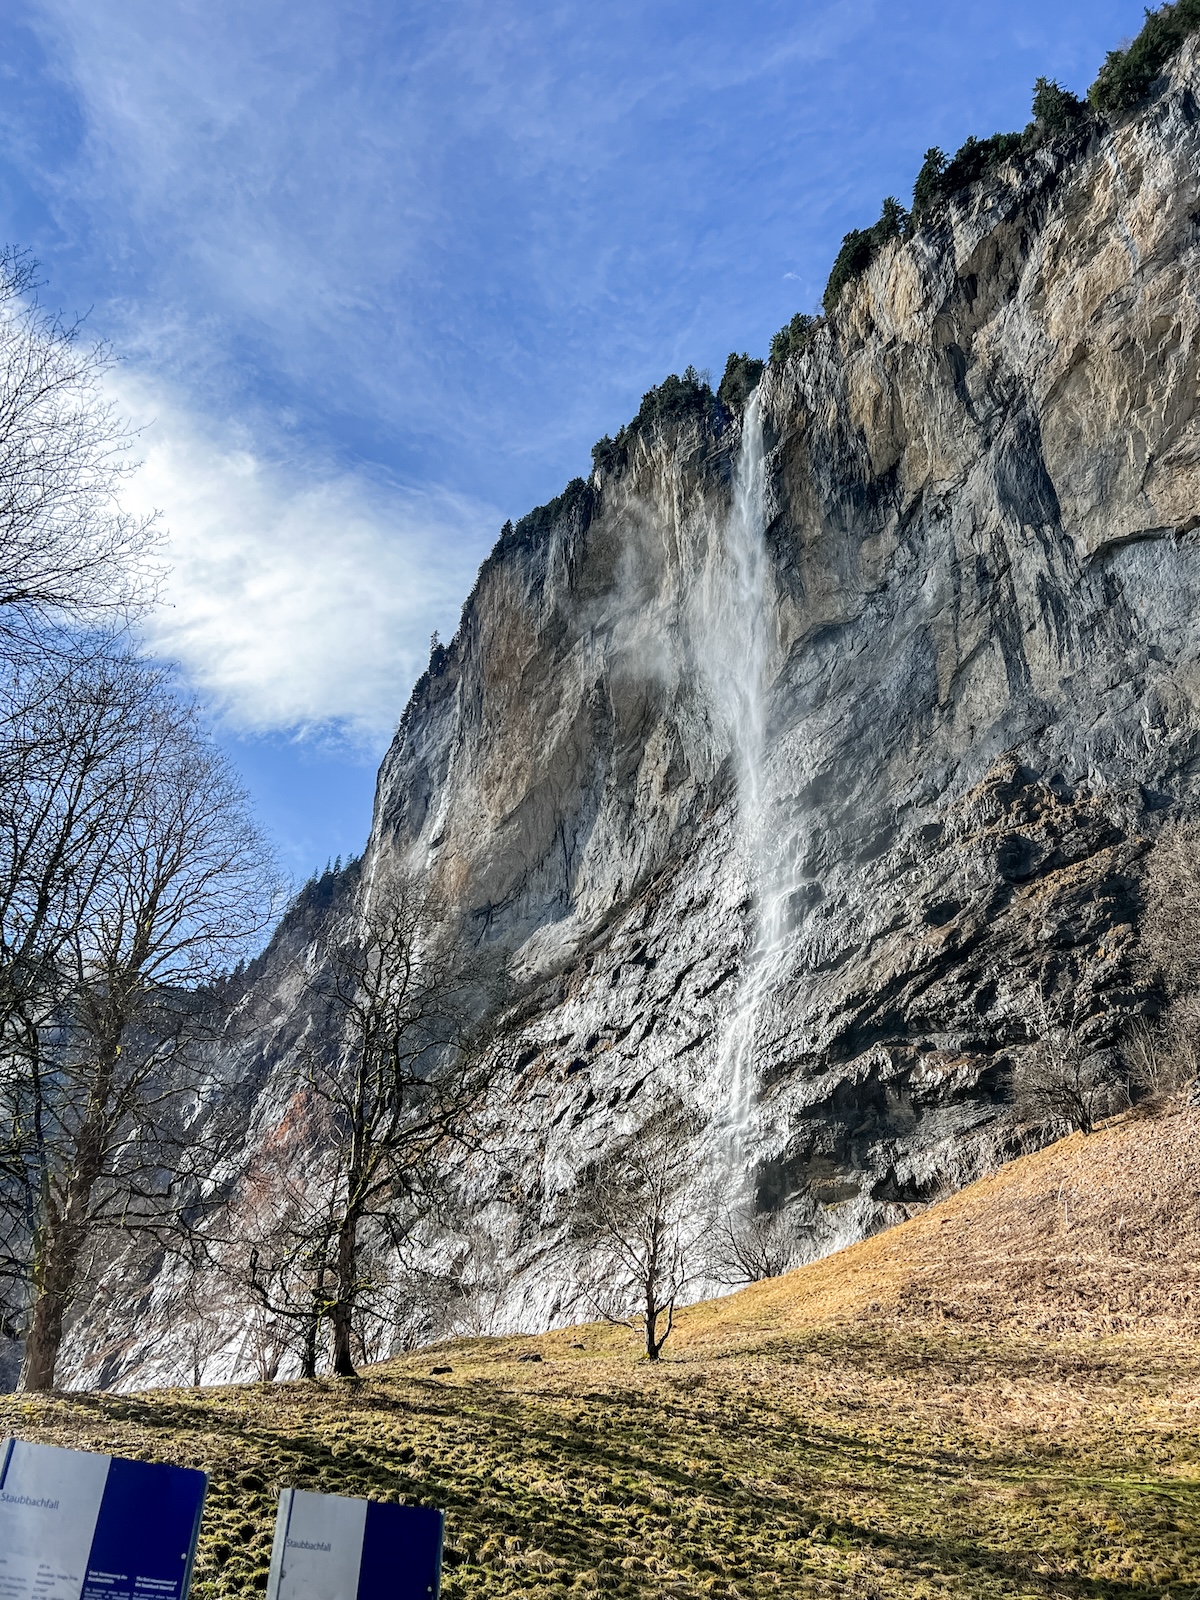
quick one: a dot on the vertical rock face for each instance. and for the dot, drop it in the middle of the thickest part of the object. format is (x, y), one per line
(976, 665)
(980, 642)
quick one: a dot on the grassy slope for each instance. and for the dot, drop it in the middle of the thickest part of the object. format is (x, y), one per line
(999, 1398)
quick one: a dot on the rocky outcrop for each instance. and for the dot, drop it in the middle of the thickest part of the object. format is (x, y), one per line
(975, 664)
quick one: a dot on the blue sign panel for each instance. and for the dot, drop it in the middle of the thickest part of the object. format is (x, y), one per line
(80, 1526)
(328, 1547)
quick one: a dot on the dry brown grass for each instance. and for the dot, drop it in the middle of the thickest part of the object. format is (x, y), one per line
(1095, 1235)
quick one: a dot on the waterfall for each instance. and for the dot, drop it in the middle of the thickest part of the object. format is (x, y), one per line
(737, 615)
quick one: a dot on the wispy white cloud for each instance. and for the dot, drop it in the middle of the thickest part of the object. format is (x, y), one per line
(297, 600)
(466, 226)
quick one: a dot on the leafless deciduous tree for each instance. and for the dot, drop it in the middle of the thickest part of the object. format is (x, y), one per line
(69, 550)
(278, 1231)
(640, 1221)
(129, 873)
(1064, 1080)
(1163, 1055)
(70, 734)
(745, 1245)
(1171, 894)
(191, 1318)
(162, 884)
(390, 1093)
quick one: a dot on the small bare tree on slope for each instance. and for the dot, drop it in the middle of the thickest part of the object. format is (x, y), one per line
(1063, 1079)
(638, 1221)
(746, 1246)
(1163, 1055)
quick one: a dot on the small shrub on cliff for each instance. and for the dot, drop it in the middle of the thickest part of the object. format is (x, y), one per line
(576, 496)
(851, 262)
(739, 380)
(1126, 76)
(939, 178)
(977, 158)
(608, 455)
(927, 190)
(674, 399)
(861, 246)
(793, 337)
(1055, 109)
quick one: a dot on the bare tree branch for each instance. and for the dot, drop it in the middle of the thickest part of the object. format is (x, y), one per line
(140, 898)
(69, 550)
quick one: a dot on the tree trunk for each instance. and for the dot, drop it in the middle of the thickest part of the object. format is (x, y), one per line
(53, 1297)
(308, 1353)
(54, 1279)
(653, 1345)
(339, 1313)
(653, 1315)
(312, 1328)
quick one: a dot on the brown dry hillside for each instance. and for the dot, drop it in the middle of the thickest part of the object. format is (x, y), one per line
(1093, 1235)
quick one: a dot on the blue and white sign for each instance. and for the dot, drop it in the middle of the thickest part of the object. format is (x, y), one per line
(331, 1548)
(78, 1526)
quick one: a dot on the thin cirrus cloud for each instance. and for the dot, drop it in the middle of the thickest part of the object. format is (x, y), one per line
(292, 601)
(450, 225)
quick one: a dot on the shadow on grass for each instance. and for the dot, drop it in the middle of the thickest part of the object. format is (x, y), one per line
(633, 1490)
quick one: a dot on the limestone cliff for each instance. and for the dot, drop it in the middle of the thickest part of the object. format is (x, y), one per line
(797, 829)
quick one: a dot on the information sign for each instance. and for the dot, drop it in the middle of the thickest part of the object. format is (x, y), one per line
(328, 1547)
(80, 1526)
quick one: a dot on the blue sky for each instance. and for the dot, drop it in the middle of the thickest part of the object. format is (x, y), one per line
(381, 273)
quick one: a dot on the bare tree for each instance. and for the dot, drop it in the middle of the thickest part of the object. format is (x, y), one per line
(475, 1287)
(266, 1340)
(126, 863)
(1171, 895)
(191, 1316)
(1164, 1056)
(279, 1230)
(70, 735)
(69, 550)
(1064, 1079)
(746, 1245)
(101, 1101)
(394, 1089)
(639, 1220)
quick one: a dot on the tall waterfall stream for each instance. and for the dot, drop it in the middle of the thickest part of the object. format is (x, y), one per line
(737, 653)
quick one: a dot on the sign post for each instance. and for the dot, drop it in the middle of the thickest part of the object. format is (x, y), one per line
(328, 1547)
(80, 1526)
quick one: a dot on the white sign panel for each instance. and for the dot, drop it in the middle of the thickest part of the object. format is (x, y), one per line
(328, 1547)
(79, 1526)
(49, 1505)
(321, 1547)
